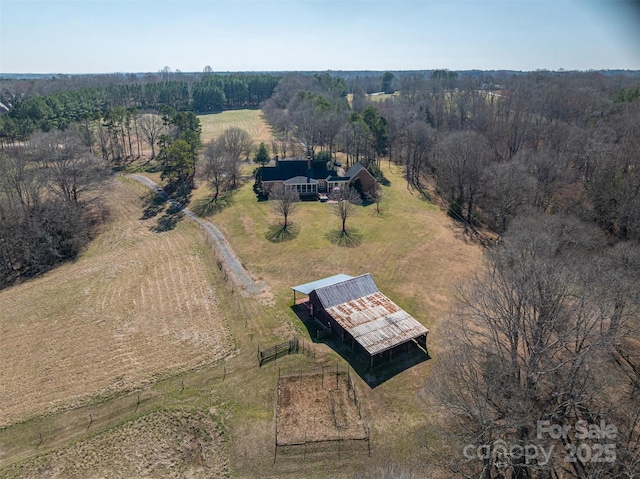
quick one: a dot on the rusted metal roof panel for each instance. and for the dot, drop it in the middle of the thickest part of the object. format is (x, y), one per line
(374, 321)
(377, 323)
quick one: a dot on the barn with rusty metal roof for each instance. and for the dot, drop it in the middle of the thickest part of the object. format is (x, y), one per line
(355, 310)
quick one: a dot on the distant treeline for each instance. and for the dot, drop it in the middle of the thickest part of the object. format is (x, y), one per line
(211, 93)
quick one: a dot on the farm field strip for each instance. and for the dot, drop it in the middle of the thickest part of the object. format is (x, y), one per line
(113, 320)
(225, 253)
(250, 120)
(155, 445)
(157, 306)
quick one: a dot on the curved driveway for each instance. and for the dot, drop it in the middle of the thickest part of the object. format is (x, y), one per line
(230, 261)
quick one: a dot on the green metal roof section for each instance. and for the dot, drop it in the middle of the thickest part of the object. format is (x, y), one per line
(321, 283)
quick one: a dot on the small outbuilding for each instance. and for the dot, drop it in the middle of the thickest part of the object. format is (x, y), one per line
(357, 312)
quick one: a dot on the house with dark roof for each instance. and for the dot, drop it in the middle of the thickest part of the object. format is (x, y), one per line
(310, 177)
(359, 172)
(357, 312)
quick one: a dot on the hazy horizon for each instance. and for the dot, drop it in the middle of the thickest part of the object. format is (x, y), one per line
(141, 36)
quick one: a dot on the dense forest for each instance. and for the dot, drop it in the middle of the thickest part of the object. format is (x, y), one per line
(546, 337)
(552, 142)
(546, 162)
(46, 104)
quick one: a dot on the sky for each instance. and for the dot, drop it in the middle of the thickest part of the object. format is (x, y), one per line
(107, 36)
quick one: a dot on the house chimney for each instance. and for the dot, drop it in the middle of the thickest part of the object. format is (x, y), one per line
(309, 162)
(276, 161)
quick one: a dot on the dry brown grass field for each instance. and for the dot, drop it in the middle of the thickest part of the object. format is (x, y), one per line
(150, 313)
(317, 408)
(170, 444)
(250, 120)
(136, 306)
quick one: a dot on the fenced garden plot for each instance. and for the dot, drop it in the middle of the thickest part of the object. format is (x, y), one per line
(319, 410)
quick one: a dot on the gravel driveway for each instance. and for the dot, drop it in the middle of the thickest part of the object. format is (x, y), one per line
(230, 262)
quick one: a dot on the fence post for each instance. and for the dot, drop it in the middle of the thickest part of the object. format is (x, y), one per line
(275, 451)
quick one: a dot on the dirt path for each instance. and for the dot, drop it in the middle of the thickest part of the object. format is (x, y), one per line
(230, 261)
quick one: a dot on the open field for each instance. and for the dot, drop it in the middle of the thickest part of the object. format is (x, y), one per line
(414, 252)
(416, 256)
(250, 120)
(137, 306)
(174, 444)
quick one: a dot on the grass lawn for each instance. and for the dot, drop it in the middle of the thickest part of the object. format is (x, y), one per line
(414, 252)
(416, 255)
(250, 120)
(142, 312)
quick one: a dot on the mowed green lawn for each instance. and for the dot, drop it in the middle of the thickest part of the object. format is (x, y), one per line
(416, 255)
(413, 250)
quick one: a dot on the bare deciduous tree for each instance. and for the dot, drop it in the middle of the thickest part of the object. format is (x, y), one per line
(375, 194)
(460, 159)
(507, 187)
(346, 202)
(38, 229)
(72, 168)
(528, 345)
(284, 202)
(151, 127)
(237, 144)
(216, 168)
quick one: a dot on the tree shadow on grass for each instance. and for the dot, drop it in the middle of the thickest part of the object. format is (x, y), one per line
(154, 203)
(348, 239)
(279, 234)
(169, 219)
(209, 207)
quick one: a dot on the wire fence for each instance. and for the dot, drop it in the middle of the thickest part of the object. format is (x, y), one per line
(319, 410)
(293, 346)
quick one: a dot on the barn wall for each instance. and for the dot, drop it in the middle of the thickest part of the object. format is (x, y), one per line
(325, 318)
